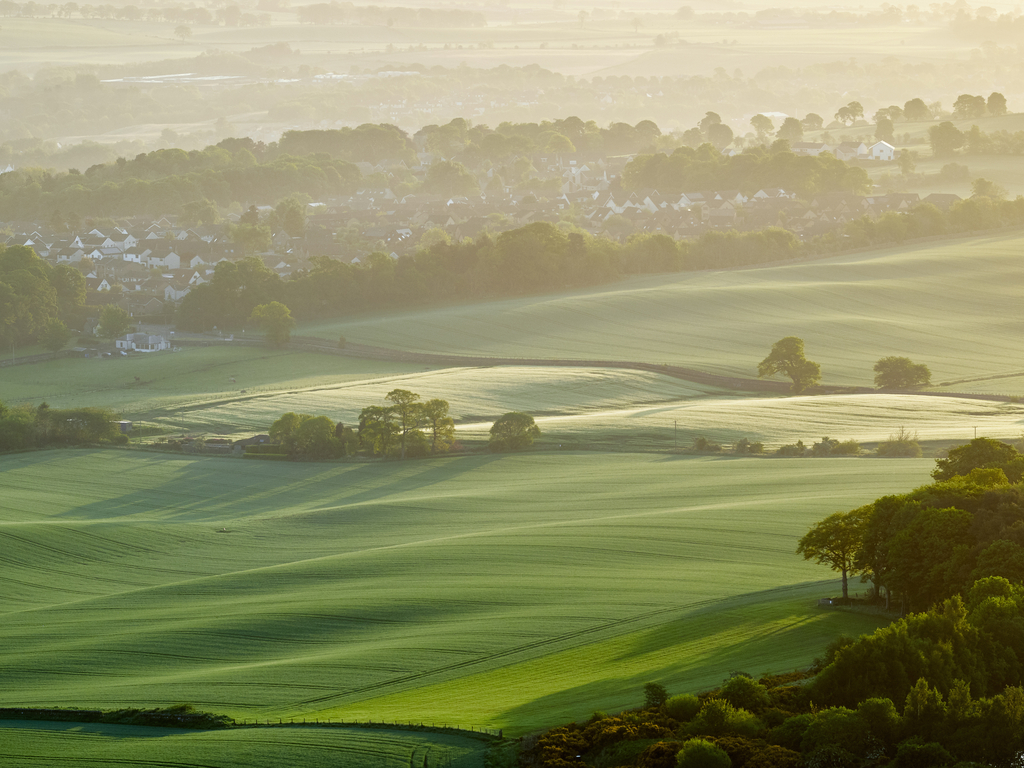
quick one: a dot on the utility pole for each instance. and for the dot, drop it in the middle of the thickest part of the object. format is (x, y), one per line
(675, 434)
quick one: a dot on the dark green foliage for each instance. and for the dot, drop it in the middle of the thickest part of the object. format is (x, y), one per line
(698, 753)
(787, 358)
(717, 717)
(660, 755)
(743, 692)
(915, 753)
(35, 298)
(513, 431)
(901, 373)
(682, 707)
(655, 694)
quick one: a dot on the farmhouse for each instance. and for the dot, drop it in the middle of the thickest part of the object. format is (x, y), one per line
(142, 342)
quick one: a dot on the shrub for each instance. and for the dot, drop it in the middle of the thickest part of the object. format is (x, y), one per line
(683, 707)
(796, 449)
(915, 754)
(902, 444)
(744, 693)
(775, 757)
(698, 753)
(744, 446)
(660, 755)
(704, 445)
(718, 717)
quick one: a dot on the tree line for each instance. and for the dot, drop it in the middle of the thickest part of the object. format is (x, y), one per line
(758, 168)
(405, 427)
(543, 257)
(24, 427)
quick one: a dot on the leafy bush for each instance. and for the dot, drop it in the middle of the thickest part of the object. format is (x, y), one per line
(796, 449)
(699, 753)
(744, 446)
(902, 444)
(743, 692)
(704, 445)
(683, 707)
(718, 717)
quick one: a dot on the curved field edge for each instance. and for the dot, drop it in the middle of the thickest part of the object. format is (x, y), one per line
(41, 744)
(953, 306)
(139, 580)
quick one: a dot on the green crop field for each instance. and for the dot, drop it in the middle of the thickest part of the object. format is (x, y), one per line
(513, 591)
(43, 744)
(192, 378)
(954, 306)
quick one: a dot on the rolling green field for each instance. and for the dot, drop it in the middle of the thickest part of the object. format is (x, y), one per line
(514, 592)
(195, 377)
(953, 305)
(39, 744)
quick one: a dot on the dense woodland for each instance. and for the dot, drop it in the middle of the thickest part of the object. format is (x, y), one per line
(941, 687)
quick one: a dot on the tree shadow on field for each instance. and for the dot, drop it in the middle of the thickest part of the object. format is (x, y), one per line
(198, 488)
(96, 729)
(756, 653)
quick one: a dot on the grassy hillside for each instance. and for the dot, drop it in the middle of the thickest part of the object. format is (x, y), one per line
(283, 589)
(194, 377)
(952, 305)
(48, 744)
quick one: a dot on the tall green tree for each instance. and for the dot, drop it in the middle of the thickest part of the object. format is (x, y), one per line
(834, 542)
(114, 322)
(901, 373)
(513, 431)
(440, 424)
(408, 413)
(787, 357)
(276, 321)
(980, 453)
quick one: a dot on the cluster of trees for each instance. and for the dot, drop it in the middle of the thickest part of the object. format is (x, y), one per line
(38, 302)
(536, 258)
(946, 140)
(928, 545)
(23, 427)
(778, 721)
(706, 168)
(407, 426)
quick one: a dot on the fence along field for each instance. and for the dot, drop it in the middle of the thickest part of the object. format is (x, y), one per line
(49, 744)
(293, 590)
(953, 306)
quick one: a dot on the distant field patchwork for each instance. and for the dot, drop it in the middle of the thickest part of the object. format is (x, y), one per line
(272, 589)
(954, 306)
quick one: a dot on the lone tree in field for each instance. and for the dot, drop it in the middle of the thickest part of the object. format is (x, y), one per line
(513, 431)
(787, 357)
(834, 541)
(901, 373)
(276, 321)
